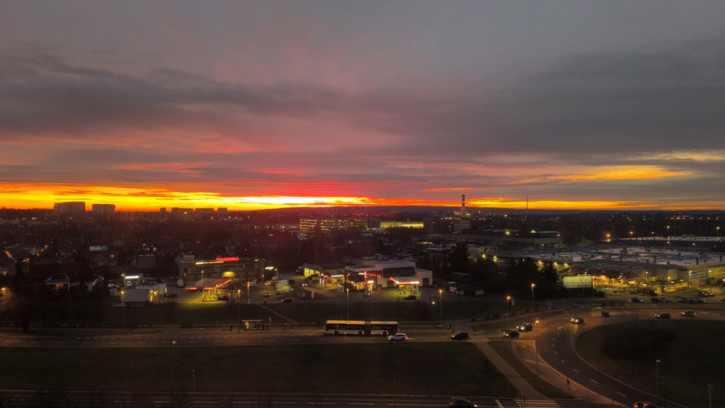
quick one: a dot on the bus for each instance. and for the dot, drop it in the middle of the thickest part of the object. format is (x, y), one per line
(361, 327)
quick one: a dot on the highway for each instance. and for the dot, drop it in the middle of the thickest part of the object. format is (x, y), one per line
(548, 349)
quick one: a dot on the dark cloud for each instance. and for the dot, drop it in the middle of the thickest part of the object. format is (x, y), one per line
(627, 102)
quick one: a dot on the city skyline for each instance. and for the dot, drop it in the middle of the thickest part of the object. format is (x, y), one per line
(255, 105)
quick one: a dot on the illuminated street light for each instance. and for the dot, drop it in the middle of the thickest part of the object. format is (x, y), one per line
(508, 309)
(239, 305)
(440, 294)
(123, 310)
(533, 285)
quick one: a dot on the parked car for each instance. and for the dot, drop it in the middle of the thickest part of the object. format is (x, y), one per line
(662, 316)
(688, 313)
(410, 297)
(637, 300)
(511, 334)
(287, 300)
(577, 320)
(605, 313)
(525, 327)
(399, 336)
(460, 402)
(461, 336)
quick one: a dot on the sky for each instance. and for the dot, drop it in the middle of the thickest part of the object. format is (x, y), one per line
(554, 104)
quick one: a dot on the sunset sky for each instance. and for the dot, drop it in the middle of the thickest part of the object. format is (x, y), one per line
(263, 104)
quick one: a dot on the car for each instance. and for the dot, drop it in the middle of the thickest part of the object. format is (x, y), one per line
(656, 300)
(577, 320)
(605, 313)
(410, 297)
(511, 334)
(525, 327)
(267, 294)
(460, 402)
(637, 300)
(399, 336)
(688, 313)
(662, 315)
(461, 336)
(287, 300)
(645, 404)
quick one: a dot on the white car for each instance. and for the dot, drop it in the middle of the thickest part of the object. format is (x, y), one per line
(398, 337)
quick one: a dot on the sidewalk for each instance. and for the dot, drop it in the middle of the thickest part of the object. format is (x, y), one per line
(524, 388)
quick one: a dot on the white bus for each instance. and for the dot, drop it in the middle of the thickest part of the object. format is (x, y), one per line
(361, 327)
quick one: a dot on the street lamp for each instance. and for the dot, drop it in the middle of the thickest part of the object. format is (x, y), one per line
(440, 295)
(533, 285)
(347, 304)
(123, 310)
(508, 309)
(657, 376)
(173, 361)
(239, 305)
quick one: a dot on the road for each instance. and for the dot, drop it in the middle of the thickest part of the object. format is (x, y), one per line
(82, 399)
(550, 344)
(555, 346)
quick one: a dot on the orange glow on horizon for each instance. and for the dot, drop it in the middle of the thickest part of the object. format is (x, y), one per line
(152, 199)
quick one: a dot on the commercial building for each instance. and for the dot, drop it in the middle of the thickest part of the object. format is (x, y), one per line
(373, 275)
(199, 273)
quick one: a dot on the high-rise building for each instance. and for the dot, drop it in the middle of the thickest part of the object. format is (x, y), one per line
(70, 208)
(103, 210)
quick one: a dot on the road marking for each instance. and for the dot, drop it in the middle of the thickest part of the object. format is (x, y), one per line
(563, 361)
(624, 395)
(594, 381)
(499, 404)
(362, 403)
(575, 370)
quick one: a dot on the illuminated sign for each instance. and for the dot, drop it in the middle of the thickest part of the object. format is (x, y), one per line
(228, 259)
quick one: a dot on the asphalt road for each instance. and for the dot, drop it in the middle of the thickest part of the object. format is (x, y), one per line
(553, 340)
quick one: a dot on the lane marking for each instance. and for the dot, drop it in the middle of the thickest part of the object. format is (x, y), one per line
(594, 381)
(624, 395)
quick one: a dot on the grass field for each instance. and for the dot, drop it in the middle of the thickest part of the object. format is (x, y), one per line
(690, 354)
(386, 368)
(307, 311)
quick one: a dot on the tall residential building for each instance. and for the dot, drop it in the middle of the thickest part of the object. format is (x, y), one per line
(103, 210)
(70, 208)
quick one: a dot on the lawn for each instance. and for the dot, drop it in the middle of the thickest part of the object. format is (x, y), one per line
(689, 351)
(385, 368)
(306, 311)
